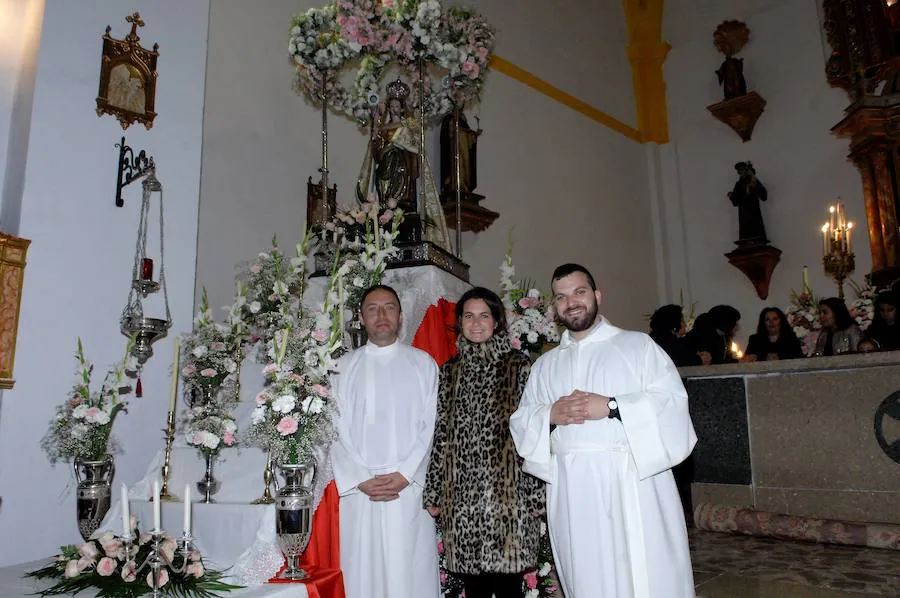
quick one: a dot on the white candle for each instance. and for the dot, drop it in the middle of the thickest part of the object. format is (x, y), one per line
(126, 513)
(849, 230)
(805, 278)
(187, 510)
(175, 375)
(156, 507)
(825, 239)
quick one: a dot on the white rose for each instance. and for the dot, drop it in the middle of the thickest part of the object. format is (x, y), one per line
(210, 440)
(258, 415)
(255, 307)
(316, 405)
(230, 366)
(78, 412)
(229, 426)
(200, 351)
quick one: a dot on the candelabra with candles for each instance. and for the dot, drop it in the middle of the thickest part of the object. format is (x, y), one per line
(837, 247)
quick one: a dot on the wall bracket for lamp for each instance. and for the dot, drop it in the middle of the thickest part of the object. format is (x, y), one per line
(131, 168)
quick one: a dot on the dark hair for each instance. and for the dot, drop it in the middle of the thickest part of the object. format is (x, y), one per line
(667, 318)
(884, 298)
(567, 269)
(380, 287)
(761, 326)
(494, 303)
(842, 317)
(724, 318)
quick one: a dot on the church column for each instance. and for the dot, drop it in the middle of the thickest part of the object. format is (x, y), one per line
(873, 216)
(886, 210)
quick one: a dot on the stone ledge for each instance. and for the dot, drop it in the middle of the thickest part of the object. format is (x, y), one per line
(788, 366)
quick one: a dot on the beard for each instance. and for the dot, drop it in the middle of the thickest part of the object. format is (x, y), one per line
(581, 321)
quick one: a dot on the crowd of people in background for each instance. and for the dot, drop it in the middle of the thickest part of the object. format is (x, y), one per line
(709, 341)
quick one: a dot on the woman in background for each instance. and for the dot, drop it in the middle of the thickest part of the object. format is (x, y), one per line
(713, 332)
(839, 334)
(884, 328)
(667, 328)
(774, 338)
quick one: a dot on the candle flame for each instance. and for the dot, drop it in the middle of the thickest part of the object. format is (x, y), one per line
(849, 225)
(825, 228)
(831, 209)
(736, 350)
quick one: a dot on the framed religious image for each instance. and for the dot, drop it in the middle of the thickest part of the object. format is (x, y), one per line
(128, 78)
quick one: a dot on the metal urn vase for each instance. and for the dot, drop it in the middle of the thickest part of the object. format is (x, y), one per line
(357, 332)
(93, 493)
(293, 516)
(208, 485)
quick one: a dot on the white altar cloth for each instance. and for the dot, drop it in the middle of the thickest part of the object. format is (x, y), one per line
(13, 584)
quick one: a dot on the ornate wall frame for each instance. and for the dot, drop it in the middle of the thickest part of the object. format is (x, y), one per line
(128, 78)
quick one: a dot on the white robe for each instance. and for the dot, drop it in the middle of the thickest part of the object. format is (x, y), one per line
(616, 521)
(387, 398)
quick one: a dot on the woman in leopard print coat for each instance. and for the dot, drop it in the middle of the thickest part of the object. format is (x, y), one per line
(488, 508)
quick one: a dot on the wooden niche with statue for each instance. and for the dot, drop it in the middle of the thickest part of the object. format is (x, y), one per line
(740, 109)
(754, 256)
(459, 175)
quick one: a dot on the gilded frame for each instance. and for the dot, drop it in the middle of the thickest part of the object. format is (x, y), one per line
(128, 78)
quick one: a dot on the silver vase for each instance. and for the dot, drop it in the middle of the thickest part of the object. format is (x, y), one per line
(293, 516)
(93, 493)
(209, 485)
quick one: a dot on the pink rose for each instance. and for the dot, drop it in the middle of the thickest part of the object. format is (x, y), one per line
(195, 569)
(481, 53)
(194, 556)
(111, 547)
(106, 567)
(167, 548)
(443, 577)
(261, 399)
(287, 426)
(392, 203)
(208, 373)
(217, 346)
(471, 69)
(198, 437)
(128, 571)
(515, 343)
(255, 268)
(320, 335)
(440, 548)
(320, 390)
(524, 303)
(531, 580)
(163, 578)
(89, 550)
(385, 218)
(189, 370)
(298, 378)
(228, 439)
(270, 368)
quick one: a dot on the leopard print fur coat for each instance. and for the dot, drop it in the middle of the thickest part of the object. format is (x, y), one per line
(489, 507)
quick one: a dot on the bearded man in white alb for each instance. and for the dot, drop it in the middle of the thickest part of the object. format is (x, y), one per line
(386, 394)
(603, 419)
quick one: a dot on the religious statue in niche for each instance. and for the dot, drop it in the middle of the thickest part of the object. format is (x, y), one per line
(391, 170)
(468, 166)
(747, 193)
(754, 256)
(740, 109)
(729, 38)
(128, 77)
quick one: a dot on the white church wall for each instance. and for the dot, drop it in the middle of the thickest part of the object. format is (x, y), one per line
(802, 165)
(79, 264)
(571, 189)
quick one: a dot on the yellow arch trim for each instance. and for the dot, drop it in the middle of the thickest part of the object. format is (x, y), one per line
(647, 52)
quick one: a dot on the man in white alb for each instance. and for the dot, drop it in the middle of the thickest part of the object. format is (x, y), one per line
(386, 393)
(603, 419)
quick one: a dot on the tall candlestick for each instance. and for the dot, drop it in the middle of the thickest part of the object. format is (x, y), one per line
(176, 371)
(126, 513)
(805, 278)
(832, 217)
(157, 517)
(187, 510)
(849, 230)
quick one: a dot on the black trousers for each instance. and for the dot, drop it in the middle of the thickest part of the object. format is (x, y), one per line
(486, 585)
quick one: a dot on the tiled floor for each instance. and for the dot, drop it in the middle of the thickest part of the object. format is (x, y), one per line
(733, 566)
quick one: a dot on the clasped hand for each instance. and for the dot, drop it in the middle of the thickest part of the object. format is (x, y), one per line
(579, 407)
(384, 488)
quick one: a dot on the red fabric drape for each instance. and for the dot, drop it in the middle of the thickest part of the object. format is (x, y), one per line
(437, 332)
(322, 558)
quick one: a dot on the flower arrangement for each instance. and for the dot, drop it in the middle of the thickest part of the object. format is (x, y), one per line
(270, 293)
(102, 564)
(212, 352)
(803, 316)
(210, 427)
(324, 40)
(82, 426)
(542, 582)
(292, 415)
(529, 315)
(862, 309)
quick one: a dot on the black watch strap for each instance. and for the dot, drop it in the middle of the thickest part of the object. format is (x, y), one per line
(614, 413)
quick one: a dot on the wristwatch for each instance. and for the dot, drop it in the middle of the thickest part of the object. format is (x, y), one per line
(614, 408)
